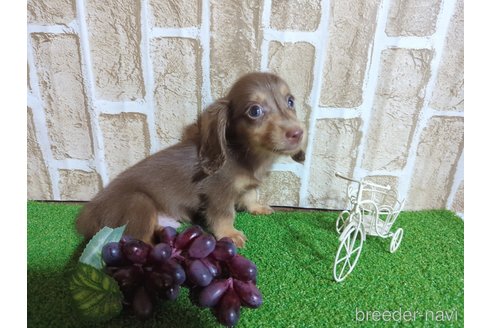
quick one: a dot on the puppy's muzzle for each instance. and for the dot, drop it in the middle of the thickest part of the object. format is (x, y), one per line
(294, 136)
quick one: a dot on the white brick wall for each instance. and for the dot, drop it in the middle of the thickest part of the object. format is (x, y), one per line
(379, 83)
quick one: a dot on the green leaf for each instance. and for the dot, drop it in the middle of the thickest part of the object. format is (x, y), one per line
(96, 295)
(92, 252)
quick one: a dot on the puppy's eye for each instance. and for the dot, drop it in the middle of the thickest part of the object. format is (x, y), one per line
(255, 111)
(290, 102)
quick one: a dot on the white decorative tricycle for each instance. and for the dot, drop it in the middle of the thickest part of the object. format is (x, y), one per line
(372, 211)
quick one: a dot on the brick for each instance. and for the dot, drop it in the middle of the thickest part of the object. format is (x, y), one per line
(175, 13)
(126, 140)
(351, 33)
(384, 180)
(280, 189)
(403, 76)
(438, 153)
(62, 90)
(235, 42)
(38, 179)
(294, 63)
(79, 185)
(335, 150)
(412, 17)
(50, 12)
(176, 66)
(448, 92)
(302, 15)
(459, 199)
(114, 35)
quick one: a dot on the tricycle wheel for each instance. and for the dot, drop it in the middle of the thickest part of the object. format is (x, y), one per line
(396, 240)
(348, 252)
(342, 221)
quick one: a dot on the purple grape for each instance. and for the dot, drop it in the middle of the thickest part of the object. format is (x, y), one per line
(173, 269)
(112, 254)
(212, 266)
(241, 268)
(248, 293)
(228, 310)
(142, 303)
(172, 292)
(129, 275)
(128, 278)
(125, 238)
(136, 251)
(158, 281)
(167, 235)
(210, 295)
(202, 246)
(227, 239)
(199, 274)
(224, 250)
(160, 253)
(184, 238)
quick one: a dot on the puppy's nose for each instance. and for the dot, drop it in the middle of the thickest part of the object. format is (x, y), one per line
(294, 135)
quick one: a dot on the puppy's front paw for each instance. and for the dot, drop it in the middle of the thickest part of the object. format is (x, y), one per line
(237, 237)
(260, 209)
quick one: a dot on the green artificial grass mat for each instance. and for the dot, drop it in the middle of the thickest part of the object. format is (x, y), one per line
(294, 252)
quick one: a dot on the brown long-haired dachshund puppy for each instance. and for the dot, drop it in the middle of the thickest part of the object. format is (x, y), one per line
(215, 169)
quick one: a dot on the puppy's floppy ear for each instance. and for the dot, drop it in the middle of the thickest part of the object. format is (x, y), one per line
(212, 129)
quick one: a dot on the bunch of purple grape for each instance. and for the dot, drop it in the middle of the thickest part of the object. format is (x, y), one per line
(217, 277)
